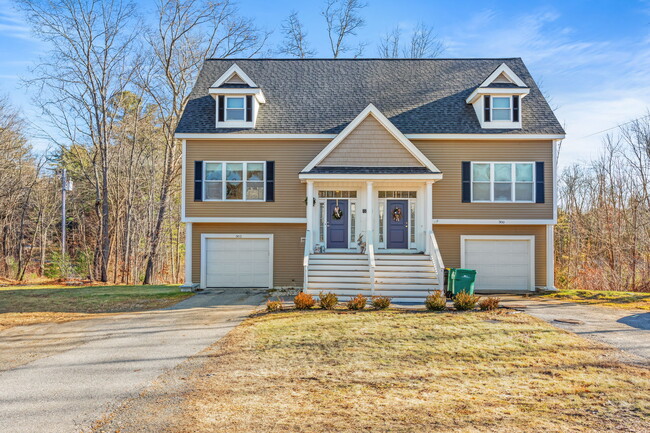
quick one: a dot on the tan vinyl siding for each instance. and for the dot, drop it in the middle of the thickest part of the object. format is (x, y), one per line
(290, 158)
(287, 248)
(447, 156)
(448, 238)
(370, 144)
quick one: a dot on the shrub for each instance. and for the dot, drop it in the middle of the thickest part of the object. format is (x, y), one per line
(489, 304)
(303, 301)
(436, 301)
(328, 300)
(357, 303)
(380, 302)
(273, 305)
(464, 301)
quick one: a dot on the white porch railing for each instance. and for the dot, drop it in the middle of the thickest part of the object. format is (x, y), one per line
(305, 258)
(371, 260)
(436, 258)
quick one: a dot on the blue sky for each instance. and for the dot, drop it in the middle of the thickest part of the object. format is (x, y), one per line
(591, 57)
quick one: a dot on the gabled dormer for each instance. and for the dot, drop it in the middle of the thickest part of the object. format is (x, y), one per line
(498, 100)
(237, 99)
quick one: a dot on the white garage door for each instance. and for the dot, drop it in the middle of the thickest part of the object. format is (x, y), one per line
(502, 263)
(238, 261)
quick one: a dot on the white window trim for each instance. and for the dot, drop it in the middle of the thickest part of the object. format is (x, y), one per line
(205, 236)
(509, 120)
(233, 123)
(244, 181)
(225, 109)
(513, 182)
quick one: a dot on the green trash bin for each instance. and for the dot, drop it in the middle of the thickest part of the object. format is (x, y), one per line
(451, 274)
(461, 280)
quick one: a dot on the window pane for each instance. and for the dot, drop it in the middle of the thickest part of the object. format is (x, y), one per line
(412, 220)
(481, 172)
(481, 191)
(500, 102)
(234, 191)
(524, 192)
(254, 190)
(502, 172)
(500, 114)
(213, 171)
(353, 222)
(234, 114)
(321, 235)
(524, 172)
(214, 190)
(381, 222)
(235, 103)
(234, 171)
(255, 171)
(502, 192)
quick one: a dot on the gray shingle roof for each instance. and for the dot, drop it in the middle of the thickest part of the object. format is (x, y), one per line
(370, 170)
(321, 96)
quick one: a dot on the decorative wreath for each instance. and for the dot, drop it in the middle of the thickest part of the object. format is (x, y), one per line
(397, 214)
(338, 213)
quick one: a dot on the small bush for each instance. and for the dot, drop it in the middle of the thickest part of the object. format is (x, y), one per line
(303, 301)
(357, 303)
(489, 304)
(380, 302)
(273, 305)
(464, 301)
(328, 300)
(436, 301)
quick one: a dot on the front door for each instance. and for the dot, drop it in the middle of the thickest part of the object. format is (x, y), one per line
(397, 227)
(337, 223)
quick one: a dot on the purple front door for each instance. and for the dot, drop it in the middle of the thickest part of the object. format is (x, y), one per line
(397, 228)
(337, 228)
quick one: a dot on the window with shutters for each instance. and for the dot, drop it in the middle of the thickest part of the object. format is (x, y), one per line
(234, 180)
(235, 108)
(235, 111)
(503, 182)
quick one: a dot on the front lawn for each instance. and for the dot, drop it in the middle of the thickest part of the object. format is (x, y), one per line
(406, 371)
(22, 305)
(627, 300)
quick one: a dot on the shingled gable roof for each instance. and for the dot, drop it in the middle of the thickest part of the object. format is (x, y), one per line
(322, 96)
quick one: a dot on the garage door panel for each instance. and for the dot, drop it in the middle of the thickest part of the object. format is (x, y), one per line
(237, 262)
(500, 264)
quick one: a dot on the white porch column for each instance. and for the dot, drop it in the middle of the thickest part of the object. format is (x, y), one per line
(310, 211)
(428, 214)
(550, 258)
(188, 256)
(369, 213)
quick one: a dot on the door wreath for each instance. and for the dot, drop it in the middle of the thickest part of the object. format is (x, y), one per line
(397, 214)
(338, 212)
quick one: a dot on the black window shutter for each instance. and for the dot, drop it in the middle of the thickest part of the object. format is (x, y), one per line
(220, 109)
(467, 181)
(515, 108)
(539, 182)
(270, 180)
(486, 108)
(249, 108)
(198, 180)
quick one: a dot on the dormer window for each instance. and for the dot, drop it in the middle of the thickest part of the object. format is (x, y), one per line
(501, 108)
(235, 108)
(237, 99)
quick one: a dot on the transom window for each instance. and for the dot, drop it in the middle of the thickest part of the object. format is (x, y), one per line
(234, 180)
(503, 181)
(235, 108)
(501, 108)
(397, 194)
(337, 194)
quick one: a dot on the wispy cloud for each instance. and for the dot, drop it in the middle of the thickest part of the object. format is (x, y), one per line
(12, 24)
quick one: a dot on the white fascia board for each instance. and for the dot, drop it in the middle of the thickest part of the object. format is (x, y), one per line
(270, 220)
(234, 69)
(503, 69)
(486, 136)
(496, 91)
(405, 176)
(252, 136)
(371, 110)
(495, 221)
(259, 95)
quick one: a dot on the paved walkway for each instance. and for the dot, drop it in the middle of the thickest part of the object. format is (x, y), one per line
(119, 356)
(628, 330)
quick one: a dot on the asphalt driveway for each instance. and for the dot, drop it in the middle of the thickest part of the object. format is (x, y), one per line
(628, 330)
(114, 358)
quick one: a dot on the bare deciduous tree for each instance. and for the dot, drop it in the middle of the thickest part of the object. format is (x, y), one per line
(424, 43)
(343, 20)
(294, 43)
(389, 45)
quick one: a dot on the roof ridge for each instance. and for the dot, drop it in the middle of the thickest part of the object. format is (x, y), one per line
(239, 59)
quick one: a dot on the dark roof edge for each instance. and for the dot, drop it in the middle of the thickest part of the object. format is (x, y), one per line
(232, 59)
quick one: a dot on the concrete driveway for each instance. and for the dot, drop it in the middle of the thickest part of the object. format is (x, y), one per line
(628, 330)
(115, 358)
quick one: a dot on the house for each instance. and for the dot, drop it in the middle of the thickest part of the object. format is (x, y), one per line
(368, 175)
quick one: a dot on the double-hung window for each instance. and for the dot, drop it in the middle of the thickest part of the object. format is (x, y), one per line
(503, 182)
(243, 181)
(235, 108)
(502, 108)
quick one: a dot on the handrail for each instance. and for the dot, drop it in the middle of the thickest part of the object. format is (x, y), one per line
(305, 258)
(371, 260)
(436, 258)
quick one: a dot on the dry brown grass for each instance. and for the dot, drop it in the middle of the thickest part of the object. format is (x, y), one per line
(398, 371)
(624, 300)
